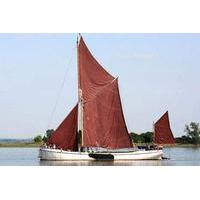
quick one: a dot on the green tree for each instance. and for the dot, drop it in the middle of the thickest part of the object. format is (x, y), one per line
(37, 139)
(142, 138)
(47, 135)
(135, 137)
(147, 137)
(184, 140)
(193, 132)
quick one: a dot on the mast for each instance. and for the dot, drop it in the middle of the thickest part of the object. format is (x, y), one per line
(80, 102)
(153, 132)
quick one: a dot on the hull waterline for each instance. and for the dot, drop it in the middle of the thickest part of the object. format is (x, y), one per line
(60, 155)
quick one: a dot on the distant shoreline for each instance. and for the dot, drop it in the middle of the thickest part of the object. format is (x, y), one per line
(20, 144)
(37, 145)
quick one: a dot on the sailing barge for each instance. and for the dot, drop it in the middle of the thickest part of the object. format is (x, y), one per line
(95, 129)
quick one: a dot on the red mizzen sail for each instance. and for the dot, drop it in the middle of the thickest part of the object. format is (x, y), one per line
(103, 120)
(162, 132)
(65, 136)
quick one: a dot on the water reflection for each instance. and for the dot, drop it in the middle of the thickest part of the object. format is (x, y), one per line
(98, 163)
(120, 163)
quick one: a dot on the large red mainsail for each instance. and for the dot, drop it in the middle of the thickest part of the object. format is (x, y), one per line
(162, 131)
(104, 124)
(65, 136)
(103, 120)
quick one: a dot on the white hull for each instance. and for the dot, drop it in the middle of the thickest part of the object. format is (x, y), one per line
(59, 155)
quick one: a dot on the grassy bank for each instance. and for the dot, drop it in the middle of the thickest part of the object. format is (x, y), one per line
(20, 144)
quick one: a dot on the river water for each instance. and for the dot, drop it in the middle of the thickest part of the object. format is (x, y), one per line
(179, 156)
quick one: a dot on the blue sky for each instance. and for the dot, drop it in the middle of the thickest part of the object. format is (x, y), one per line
(157, 72)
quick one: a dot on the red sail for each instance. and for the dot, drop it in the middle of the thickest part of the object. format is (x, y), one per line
(104, 123)
(65, 136)
(162, 132)
(92, 76)
(103, 119)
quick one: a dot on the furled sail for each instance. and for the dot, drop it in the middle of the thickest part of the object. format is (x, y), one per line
(65, 136)
(162, 131)
(103, 120)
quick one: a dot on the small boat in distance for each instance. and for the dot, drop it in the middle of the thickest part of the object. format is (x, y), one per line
(95, 129)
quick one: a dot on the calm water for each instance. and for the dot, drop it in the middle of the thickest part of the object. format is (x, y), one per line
(179, 156)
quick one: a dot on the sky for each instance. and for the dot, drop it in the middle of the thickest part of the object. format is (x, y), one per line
(157, 72)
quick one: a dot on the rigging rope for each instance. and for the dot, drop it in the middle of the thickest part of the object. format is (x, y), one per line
(60, 90)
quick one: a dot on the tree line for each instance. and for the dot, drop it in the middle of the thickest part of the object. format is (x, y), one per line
(192, 136)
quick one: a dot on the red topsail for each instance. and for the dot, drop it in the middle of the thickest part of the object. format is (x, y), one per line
(103, 120)
(65, 136)
(92, 76)
(162, 131)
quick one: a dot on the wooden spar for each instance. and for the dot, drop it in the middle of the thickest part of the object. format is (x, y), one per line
(79, 145)
(153, 132)
(80, 104)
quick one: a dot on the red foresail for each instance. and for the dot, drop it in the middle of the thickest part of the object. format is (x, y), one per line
(65, 136)
(162, 131)
(103, 120)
